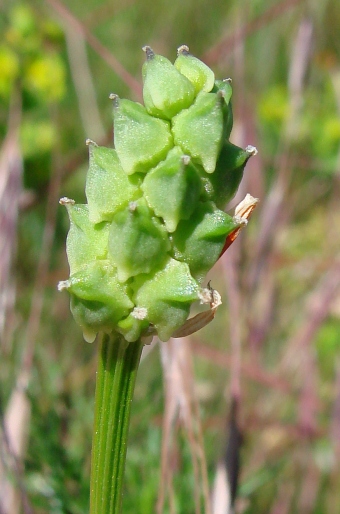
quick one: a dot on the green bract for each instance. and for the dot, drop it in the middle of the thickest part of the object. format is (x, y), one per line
(198, 130)
(166, 91)
(173, 188)
(108, 187)
(138, 241)
(167, 296)
(141, 141)
(199, 240)
(201, 76)
(154, 223)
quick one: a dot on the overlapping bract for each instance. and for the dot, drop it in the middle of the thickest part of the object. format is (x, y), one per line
(154, 224)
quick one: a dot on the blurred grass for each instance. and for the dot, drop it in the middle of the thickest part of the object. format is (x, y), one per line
(290, 390)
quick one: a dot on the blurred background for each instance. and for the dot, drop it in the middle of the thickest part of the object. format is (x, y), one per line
(259, 388)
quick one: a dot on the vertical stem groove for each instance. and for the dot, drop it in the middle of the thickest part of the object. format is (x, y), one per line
(116, 375)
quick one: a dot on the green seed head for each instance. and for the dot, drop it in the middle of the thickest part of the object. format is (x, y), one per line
(154, 224)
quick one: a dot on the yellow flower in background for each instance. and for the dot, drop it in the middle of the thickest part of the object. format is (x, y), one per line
(9, 66)
(46, 77)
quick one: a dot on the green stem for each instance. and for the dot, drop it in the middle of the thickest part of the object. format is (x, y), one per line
(116, 376)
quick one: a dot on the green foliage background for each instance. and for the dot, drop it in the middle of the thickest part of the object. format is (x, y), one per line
(41, 56)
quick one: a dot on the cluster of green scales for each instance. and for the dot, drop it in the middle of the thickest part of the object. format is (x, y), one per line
(154, 223)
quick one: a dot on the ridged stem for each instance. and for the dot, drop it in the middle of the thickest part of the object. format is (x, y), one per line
(116, 375)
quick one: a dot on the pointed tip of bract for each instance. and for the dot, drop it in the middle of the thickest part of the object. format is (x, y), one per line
(90, 142)
(251, 150)
(66, 201)
(183, 50)
(150, 54)
(63, 285)
(115, 99)
(186, 159)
